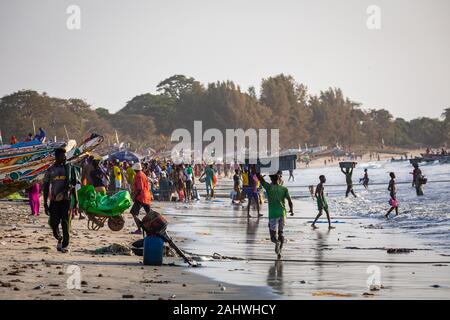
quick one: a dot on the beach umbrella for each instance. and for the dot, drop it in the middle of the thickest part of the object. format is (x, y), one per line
(125, 156)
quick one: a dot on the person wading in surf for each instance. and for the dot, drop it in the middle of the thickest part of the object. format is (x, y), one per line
(365, 179)
(348, 179)
(322, 204)
(392, 188)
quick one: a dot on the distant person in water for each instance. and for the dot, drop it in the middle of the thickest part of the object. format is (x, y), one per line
(291, 175)
(348, 179)
(322, 204)
(417, 179)
(365, 179)
(276, 195)
(392, 188)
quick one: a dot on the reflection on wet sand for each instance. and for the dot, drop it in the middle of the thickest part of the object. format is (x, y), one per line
(275, 278)
(321, 245)
(250, 234)
(314, 261)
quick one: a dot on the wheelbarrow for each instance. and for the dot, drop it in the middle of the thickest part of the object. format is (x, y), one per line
(155, 224)
(97, 221)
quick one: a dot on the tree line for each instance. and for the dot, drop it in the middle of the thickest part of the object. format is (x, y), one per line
(147, 120)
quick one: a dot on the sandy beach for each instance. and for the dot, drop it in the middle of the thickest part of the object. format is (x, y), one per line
(31, 268)
(316, 264)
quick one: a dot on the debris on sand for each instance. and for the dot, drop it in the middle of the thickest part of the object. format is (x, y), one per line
(371, 226)
(127, 296)
(332, 294)
(114, 248)
(399, 250)
(155, 281)
(218, 256)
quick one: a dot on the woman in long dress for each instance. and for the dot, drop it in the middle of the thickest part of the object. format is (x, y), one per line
(33, 196)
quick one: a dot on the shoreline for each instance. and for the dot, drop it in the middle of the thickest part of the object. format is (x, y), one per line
(316, 264)
(31, 268)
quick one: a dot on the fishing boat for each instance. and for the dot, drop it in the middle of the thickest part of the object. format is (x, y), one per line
(24, 152)
(430, 157)
(28, 164)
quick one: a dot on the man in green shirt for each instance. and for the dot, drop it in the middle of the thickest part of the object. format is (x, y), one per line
(276, 194)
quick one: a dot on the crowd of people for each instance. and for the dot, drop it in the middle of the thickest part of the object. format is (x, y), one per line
(164, 180)
(40, 136)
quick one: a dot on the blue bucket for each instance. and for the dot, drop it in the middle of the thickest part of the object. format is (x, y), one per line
(153, 251)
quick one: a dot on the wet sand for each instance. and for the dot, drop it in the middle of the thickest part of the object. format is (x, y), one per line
(316, 264)
(31, 268)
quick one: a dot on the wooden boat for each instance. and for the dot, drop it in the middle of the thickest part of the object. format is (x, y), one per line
(19, 176)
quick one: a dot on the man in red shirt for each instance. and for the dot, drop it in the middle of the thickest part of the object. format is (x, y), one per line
(142, 195)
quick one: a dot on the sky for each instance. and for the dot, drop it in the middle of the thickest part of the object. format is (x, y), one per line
(125, 48)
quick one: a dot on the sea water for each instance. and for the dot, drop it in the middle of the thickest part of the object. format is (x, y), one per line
(427, 216)
(318, 260)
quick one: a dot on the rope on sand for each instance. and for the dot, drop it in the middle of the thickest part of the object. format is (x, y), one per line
(216, 256)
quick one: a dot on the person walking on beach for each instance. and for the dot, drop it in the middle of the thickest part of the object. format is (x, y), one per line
(417, 179)
(33, 197)
(277, 194)
(141, 195)
(117, 176)
(130, 173)
(322, 204)
(245, 184)
(209, 176)
(365, 179)
(189, 174)
(86, 172)
(237, 186)
(348, 179)
(253, 194)
(98, 177)
(291, 175)
(59, 183)
(392, 188)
